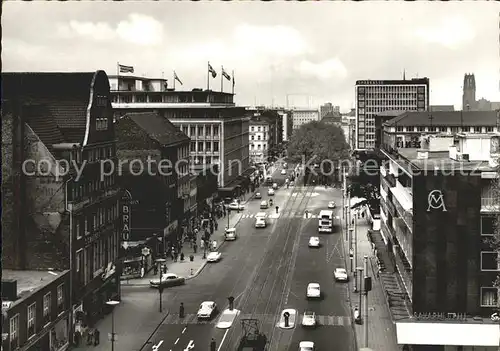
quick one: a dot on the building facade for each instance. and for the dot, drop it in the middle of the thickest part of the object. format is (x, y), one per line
(262, 138)
(64, 205)
(328, 107)
(154, 205)
(218, 129)
(302, 116)
(375, 96)
(437, 207)
(35, 310)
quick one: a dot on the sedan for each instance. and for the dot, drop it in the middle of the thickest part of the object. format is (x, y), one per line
(283, 172)
(167, 280)
(258, 195)
(332, 204)
(235, 206)
(264, 204)
(313, 290)
(270, 192)
(207, 309)
(309, 319)
(260, 215)
(306, 346)
(260, 223)
(340, 274)
(313, 241)
(214, 256)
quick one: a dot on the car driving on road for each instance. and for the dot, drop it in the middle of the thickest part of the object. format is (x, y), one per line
(332, 205)
(340, 274)
(207, 309)
(283, 172)
(214, 256)
(313, 241)
(235, 205)
(264, 205)
(258, 195)
(260, 222)
(309, 319)
(313, 290)
(167, 280)
(230, 234)
(306, 346)
(270, 192)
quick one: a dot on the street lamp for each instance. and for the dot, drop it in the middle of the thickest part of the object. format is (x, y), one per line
(112, 303)
(160, 261)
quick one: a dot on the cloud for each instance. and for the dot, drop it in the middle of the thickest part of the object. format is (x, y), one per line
(137, 29)
(331, 68)
(450, 33)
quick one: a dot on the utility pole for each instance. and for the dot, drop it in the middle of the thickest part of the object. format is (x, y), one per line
(360, 274)
(365, 293)
(355, 251)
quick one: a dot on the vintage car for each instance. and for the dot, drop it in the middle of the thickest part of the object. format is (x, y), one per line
(167, 280)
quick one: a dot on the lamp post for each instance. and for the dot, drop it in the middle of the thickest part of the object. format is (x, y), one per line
(360, 275)
(112, 303)
(160, 261)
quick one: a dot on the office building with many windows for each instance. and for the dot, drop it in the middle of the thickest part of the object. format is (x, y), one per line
(375, 96)
(302, 116)
(438, 206)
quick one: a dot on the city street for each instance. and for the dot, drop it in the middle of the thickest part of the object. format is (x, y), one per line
(267, 270)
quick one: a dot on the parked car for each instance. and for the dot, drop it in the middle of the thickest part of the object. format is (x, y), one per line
(235, 205)
(340, 274)
(167, 280)
(230, 234)
(214, 256)
(207, 309)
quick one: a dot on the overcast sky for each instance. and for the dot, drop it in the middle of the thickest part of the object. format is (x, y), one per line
(313, 51)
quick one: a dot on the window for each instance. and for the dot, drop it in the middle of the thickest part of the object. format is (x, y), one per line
(77, 228)
(489, 261)
(47, 302)
(31, 319)
(86, 225)
(399, 129)
(78, 260)
(251, 129)
(216, 146)
(489, 296)
(193, 146)
(477, 129)
(200, 146)
(216, 130)
(488, 225)
(200, 130)
(60, 297)
(14, 330)
(489, 129)
(208, 146)
(101, 123)
(192, 132)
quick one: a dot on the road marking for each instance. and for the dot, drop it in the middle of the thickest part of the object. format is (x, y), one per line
(157, 346)
(222, 341)
(183, 330)
(176, 341)
(190, 345)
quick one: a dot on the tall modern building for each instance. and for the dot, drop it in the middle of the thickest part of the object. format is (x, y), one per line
(328, 107)
(218, 129)
(302, 116)
(375, 96)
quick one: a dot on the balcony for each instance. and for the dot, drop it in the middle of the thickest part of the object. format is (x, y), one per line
(490, 205)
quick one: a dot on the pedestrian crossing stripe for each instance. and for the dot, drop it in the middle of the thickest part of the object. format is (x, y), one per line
(263, 318)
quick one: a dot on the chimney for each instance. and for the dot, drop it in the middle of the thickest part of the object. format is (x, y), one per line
(9, 290)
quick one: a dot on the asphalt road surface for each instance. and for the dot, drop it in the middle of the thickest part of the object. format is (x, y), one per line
(266, 270)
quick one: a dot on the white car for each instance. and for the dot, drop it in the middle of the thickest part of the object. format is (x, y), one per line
(270, 192)
(309, 319)
(306, 346)
(313, 290)
(275, 186)
(258, 195)
(260, 215)
(332, 204)
(283, 172)
(340, 274)
(264, 204)
(291, 319)
(167, 280)
(235, 205)
(207, 309)
(313, 241)
(230, 234)
(214, 256)
(260, 223)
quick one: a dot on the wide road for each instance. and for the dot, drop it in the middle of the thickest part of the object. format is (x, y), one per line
(267, 270)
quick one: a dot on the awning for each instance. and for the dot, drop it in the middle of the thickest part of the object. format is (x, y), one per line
(446, 333)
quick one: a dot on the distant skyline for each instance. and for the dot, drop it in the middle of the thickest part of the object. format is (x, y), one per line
(312, 51)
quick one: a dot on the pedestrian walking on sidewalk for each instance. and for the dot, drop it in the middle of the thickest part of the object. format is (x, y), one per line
(212, 345)
(176, 255)
(216, 225)
(97, 336)
(195, 247)
(182, 256)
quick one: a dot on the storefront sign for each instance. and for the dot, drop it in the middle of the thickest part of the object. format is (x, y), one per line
(6, 305)
(170, 229)
(433, 316)
(435, 201)
(125, 222)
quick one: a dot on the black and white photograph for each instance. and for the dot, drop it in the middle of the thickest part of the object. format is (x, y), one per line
(250, 176)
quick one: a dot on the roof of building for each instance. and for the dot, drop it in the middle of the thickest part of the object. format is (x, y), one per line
(29, 281)
(445, 118)
(424, 80)
(390, 113)
(332, 115)
(158, 128)
(434, 108)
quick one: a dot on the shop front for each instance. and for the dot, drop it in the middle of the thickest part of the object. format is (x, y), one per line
(53, 337)
(169, 235)
(138, 257)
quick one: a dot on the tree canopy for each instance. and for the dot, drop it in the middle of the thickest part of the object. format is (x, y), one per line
(319, 140)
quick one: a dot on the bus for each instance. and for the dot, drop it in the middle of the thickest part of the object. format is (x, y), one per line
(325, 221)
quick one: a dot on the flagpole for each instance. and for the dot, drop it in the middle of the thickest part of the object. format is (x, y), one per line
(222, 79)
(233, 81)
(208, 75)
(118, 80)
(174, 80)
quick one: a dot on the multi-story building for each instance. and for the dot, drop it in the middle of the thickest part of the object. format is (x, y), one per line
(35, 310)
(334, 118)
(287, 126)
(156, 201)
(327, 107)
(437, 208)
(60, 197)
(262, 137)
(375, 96)
(218, 129)
(302, 116)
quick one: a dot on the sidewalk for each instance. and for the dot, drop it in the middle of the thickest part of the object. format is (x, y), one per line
(381, 329)
(188, 269)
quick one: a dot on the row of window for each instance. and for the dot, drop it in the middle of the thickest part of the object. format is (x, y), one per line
(99, 153)
(82, 189)
(104, 216)
(204, 146)
(466, 129)
(205, 160)
(91, 261)
(101, 123)
(204, 130)
(392, 88)
(259, 137)
(32, 316)
(258, 147)
(490, 261)
(258, 128)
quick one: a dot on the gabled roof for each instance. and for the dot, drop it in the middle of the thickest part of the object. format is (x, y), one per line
(445, 118)
(41, 121)
(332, 117)
(158, 128)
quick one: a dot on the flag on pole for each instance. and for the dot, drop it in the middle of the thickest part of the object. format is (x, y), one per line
(126, 69)
(177, 78)
(212, 71)
(224, 73)
(233, 79)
